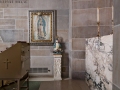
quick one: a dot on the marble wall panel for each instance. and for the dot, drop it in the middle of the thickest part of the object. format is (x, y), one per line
(99, 62)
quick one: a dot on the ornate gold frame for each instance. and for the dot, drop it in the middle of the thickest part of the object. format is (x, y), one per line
(52, 22)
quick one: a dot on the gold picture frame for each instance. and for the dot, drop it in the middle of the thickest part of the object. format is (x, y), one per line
(42, 27)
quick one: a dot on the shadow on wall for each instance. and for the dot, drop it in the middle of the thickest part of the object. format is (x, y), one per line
(65, 59)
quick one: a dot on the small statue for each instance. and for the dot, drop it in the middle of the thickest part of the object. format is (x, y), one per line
(57, 47)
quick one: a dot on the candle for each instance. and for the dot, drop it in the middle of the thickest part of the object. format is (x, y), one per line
(98, 15)
(112, 12)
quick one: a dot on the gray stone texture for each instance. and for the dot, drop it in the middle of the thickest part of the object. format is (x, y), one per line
(46, 47)
(78, 75)
(22, 24)
(49, 4)
(62, 22)
(7, 22)
(116, 12)
(78, 54)
(16, 17)
(106, 16)
(84, 32)
(63, 34)
(63, 12)
(84, 4)
(41, 61)
(84, 17)
(104, 3)
(12, 35)
(115, 87)
(26, 37)
(34, 47)
(105, 30)
(41, 53)
(78, 65)
(116, 46)
(1, 14)
(14, 4)
(116, 56)
(15, 12)
(7, 27)
(1, 10)
(78, 44)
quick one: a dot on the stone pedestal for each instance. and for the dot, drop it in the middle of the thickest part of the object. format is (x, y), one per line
(57, 67)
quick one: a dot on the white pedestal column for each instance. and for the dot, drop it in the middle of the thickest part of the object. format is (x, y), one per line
(57, 67)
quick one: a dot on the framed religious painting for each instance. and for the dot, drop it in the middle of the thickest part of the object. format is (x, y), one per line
(42, 25)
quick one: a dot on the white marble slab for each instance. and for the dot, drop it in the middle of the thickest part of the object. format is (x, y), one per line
(99, 62)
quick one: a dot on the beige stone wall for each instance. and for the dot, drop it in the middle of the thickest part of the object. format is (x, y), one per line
(14, 26)
(83, 17)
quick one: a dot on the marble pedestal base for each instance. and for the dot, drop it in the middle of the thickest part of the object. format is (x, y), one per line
(57, 67)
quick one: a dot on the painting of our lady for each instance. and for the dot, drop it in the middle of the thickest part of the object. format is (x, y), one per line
(41, 24)
(42, 27)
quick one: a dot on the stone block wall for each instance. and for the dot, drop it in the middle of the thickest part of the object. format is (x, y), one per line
(14, 26)
(83, 17)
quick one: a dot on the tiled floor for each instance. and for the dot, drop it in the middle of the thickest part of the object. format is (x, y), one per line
(64, 85)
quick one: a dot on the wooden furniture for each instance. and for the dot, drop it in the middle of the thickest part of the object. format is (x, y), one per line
(15, 62)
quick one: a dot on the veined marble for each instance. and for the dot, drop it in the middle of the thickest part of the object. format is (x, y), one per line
(99, 62)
